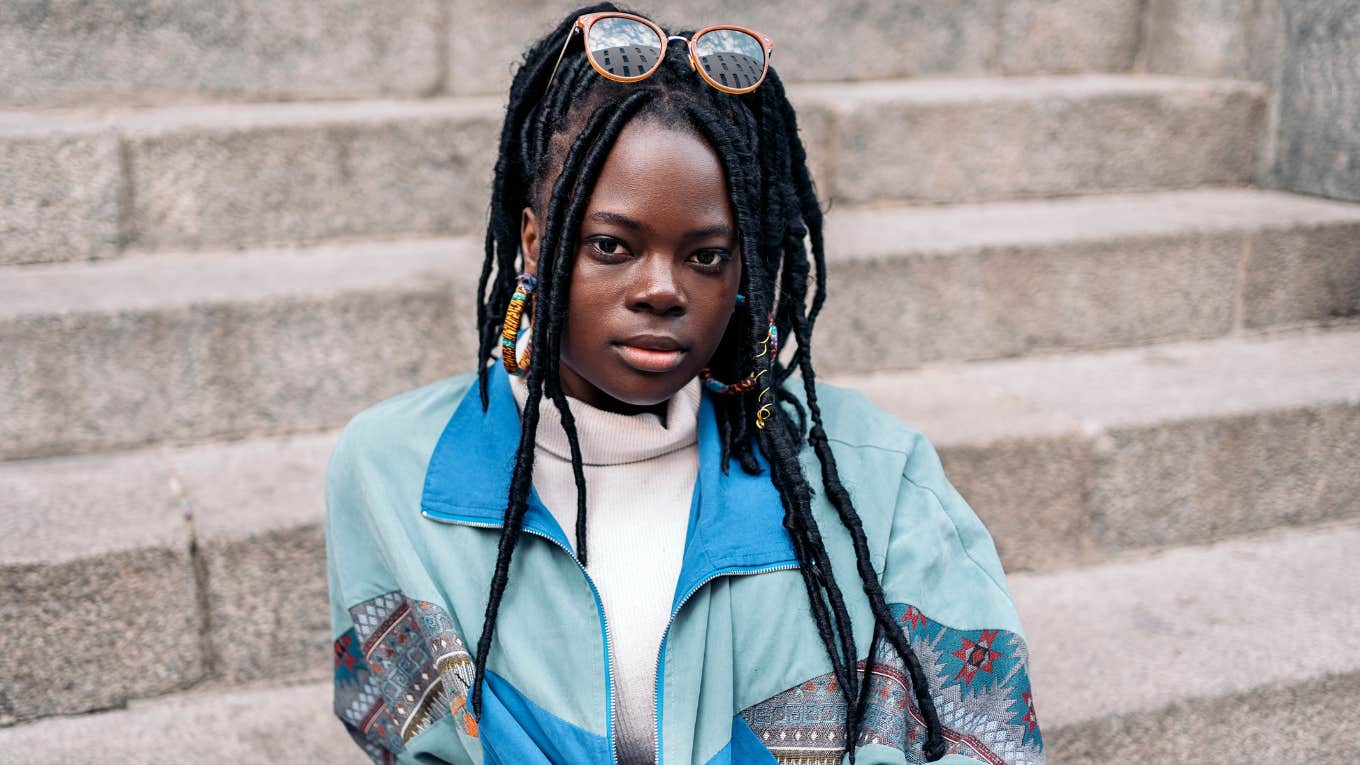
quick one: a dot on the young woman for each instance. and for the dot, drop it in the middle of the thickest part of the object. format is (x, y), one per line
(635, 536)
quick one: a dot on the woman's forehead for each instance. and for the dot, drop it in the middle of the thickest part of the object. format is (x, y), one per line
(669, 180)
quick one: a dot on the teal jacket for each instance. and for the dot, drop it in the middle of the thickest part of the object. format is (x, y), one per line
(415, 494)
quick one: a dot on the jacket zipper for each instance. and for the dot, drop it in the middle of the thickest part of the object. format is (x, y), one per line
(661, 652)
(599, 608)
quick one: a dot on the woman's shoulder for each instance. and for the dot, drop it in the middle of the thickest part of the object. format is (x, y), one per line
(409, 422)
(852, 420)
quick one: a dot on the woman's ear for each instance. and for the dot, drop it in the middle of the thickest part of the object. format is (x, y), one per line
(528, 240)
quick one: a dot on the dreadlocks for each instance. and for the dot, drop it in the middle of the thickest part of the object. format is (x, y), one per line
(566, 134)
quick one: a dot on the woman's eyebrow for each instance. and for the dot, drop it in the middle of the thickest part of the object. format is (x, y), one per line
(627, 222)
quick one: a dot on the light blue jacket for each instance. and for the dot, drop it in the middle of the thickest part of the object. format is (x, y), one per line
(415, 492)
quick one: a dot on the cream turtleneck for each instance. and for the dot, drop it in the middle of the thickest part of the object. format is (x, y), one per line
(640, 474)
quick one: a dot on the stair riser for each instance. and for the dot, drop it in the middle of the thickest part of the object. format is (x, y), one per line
(92, 633)
(205, 187)
(954, 152)
(111, 52)
(62, 197)
(1312, 722)
(255, 50)
(897, 312)
(83, 382)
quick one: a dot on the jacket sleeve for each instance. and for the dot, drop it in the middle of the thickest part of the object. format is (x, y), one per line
(946, 588)
(398, 663)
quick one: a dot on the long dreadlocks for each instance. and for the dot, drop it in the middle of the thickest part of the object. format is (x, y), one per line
(566, 134)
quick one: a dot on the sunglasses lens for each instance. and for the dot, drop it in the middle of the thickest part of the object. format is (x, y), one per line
(623, 47)
(733, 58)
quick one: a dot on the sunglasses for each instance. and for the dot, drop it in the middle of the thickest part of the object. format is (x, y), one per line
(629, 48)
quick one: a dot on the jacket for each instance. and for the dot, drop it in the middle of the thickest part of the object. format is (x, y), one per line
(415, 494)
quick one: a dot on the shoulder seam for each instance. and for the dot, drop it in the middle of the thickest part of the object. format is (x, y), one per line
(879, 447)
(955, 526)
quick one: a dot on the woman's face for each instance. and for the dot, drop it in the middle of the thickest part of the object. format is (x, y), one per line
(656, 272)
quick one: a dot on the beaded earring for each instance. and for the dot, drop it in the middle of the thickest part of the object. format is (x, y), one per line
(747, 384)
(517, 332)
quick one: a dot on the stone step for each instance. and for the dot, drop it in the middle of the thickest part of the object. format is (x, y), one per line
(112, 52)
(223, 176)
(1069, 460)
(173, 347)
(1071, 457)
(1205, 654)
(1186, 670)
(198, 345)
(171, 566)
(912, 285)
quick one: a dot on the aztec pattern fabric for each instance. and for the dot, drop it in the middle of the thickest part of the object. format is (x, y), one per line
(979, 679)
(400, 669)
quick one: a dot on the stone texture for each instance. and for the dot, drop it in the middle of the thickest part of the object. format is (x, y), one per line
(1305, 273)
(258, 509)
(218, 176)
(1038, 514)
(1318, 139)
(97, 590)
(1008, 301)
(74, 52)
(890, 39)
(1050, 36)
(997, 279)
(1313, 721)
(62, 193)
(979, 139)
(249, 725)
(1216, 644)
(1240, 39)
(1176, 444)
(171, 347)
(1188, 481)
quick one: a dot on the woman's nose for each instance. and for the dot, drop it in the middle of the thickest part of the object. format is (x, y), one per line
(657, 289)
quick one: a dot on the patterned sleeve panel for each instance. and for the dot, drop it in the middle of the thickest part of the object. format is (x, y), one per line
(978, 679)
(400, 669)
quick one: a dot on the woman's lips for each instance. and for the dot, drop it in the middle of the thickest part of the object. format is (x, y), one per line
(650, 360)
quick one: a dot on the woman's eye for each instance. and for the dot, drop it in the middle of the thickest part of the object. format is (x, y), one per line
(711, 260)
(607, 248)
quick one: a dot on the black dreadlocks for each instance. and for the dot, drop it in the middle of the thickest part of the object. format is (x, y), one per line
(566, 134)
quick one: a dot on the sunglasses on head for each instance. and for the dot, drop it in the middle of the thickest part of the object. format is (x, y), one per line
(628, 48)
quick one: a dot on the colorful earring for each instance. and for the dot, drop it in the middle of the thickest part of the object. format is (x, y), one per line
(770, 345)
(517, 332)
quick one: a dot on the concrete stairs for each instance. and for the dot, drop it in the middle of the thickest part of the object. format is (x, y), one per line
(1186, 613)
(228, 228)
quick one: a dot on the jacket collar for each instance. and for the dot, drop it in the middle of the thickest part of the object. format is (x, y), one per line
(736, 520)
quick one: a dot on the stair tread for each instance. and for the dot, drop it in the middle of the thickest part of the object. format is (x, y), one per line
(1120, 388)
(159, 281)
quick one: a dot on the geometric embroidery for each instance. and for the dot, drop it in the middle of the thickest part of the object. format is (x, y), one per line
(978, 679)
(400, 669)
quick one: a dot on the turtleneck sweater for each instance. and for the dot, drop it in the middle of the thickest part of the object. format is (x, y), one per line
(640, 472)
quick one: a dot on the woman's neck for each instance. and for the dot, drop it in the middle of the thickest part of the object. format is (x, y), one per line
(608, 437)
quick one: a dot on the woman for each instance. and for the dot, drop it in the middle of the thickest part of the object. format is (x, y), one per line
(592, 580)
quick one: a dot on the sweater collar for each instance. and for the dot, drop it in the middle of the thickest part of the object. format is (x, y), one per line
(736, 519)
(610, 438)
